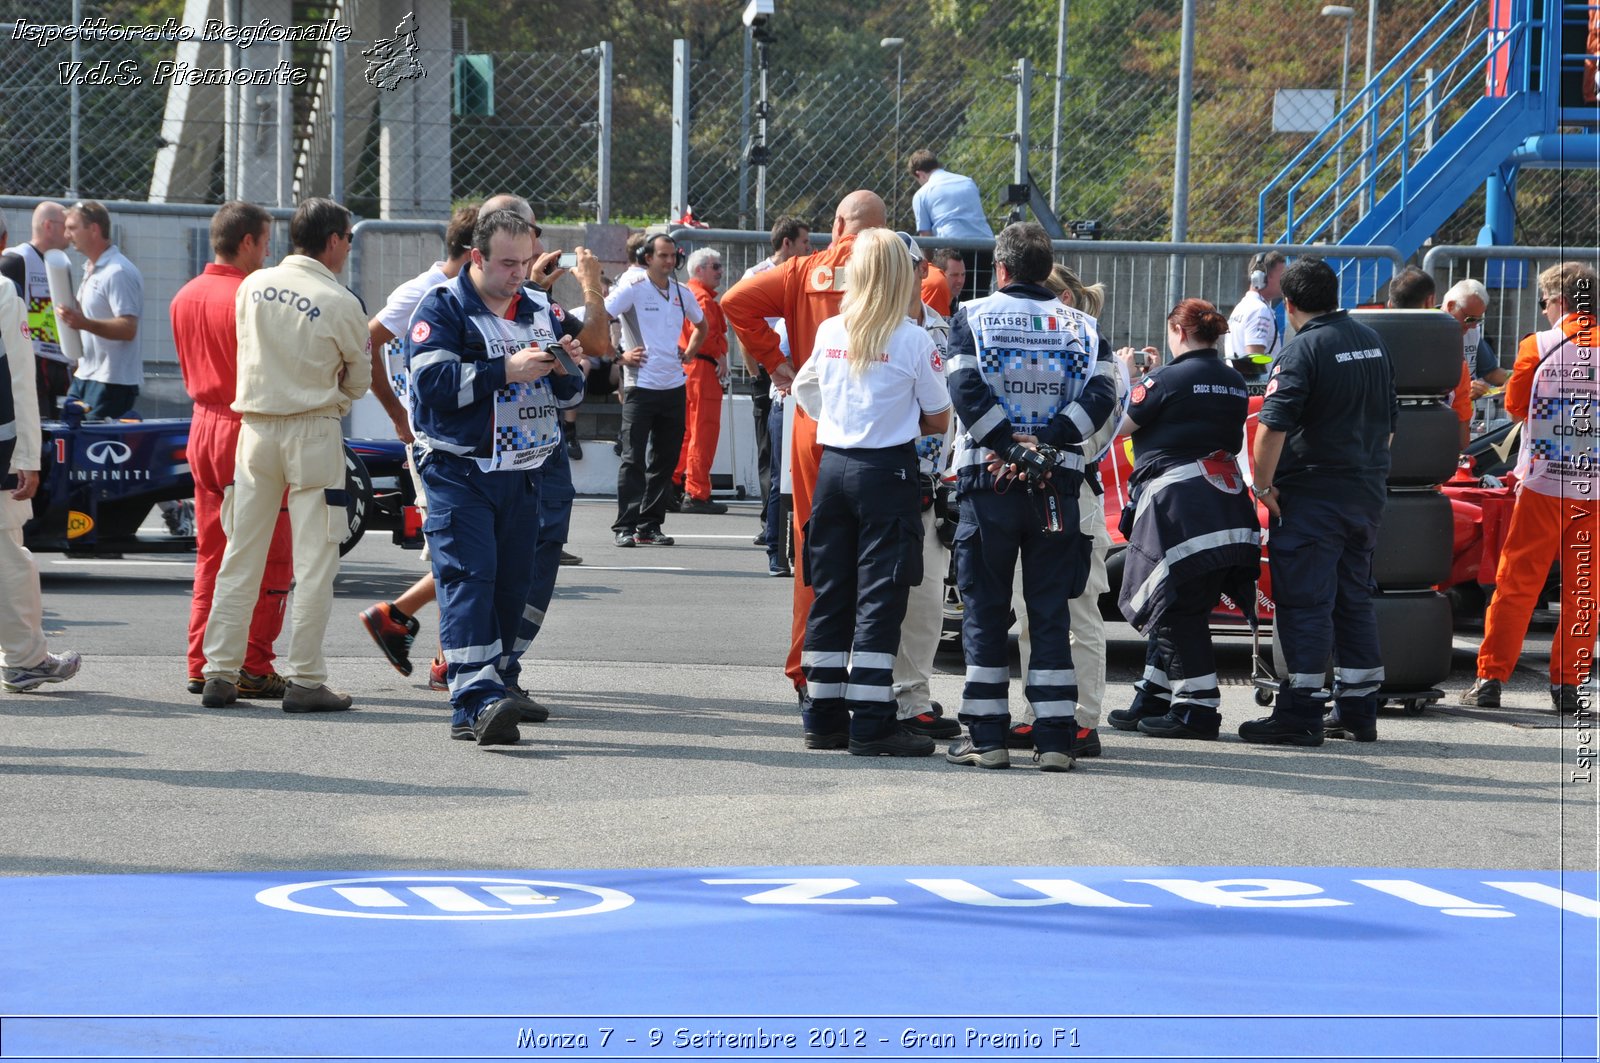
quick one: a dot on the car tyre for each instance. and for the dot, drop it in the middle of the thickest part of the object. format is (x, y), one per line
(1424, 348)
(358, 499)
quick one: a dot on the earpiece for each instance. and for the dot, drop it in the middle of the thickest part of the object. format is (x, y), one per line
(1258, 275)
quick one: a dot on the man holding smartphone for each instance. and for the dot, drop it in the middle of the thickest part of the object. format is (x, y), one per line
(485, 393)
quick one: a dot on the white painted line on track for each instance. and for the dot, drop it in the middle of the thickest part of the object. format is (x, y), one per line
(696, 535)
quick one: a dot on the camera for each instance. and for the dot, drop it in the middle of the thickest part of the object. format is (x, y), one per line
(758, 13)
(1033, 466)
(566, 260)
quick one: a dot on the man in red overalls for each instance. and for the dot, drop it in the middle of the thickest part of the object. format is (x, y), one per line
(205, 334)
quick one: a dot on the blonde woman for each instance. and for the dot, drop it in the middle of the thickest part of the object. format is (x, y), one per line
(874, 383)
(1069, 287)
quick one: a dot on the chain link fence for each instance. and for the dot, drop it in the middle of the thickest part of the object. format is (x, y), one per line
(119, 119)
(830, 134)
(845, 114)
(540, 142)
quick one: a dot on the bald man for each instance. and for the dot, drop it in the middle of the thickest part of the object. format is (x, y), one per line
(804, 292)
(23, 265)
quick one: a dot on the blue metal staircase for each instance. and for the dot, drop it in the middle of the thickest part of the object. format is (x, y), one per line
(1376, 175)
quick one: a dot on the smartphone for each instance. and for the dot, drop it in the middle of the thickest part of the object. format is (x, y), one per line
(564, 359)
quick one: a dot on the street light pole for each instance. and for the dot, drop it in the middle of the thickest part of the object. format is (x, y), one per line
(897, 45)
(1348, 14)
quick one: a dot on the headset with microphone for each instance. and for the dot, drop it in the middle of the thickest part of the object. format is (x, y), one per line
(1258, 272)
(642, 254)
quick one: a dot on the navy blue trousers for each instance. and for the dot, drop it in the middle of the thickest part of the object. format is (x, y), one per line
(1180, 662)
(1321, 558)
(774, 515)
(995, 531)
(482, 531)
(863, 554)
(556, 496)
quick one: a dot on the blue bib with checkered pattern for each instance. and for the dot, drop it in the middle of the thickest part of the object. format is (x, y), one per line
(527, 426)
(1560, 455)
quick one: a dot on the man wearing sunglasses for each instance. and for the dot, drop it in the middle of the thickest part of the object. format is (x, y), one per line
(1468, 302)
(1553, 392)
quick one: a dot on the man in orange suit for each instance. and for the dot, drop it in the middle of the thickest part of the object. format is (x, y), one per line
(1553, 391)
(804, 292)
(703, 397)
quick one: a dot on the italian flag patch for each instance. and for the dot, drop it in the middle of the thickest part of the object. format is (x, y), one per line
(1047, 324)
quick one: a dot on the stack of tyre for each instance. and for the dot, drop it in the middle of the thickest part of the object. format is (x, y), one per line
(1416, 541)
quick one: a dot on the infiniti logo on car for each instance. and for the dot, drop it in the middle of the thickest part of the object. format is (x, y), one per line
(108, 452)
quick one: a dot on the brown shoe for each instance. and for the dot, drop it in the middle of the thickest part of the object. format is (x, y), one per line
(314, 699)
(218, 693)
(269, 687)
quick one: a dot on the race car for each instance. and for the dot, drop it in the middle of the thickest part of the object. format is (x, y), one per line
(100, 480)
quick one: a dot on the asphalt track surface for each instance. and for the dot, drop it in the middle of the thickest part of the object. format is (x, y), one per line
(672, 757)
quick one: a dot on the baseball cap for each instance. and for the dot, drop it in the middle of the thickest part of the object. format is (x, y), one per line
(911, 246)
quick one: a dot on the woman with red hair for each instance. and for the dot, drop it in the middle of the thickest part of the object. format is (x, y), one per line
(1191, 526)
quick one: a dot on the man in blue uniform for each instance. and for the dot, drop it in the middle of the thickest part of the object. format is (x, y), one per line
(556, 491)
(1321, 457)
(484, 393)
(1031, 379)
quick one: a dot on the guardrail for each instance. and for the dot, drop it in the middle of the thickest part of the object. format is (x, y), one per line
(1143, 279)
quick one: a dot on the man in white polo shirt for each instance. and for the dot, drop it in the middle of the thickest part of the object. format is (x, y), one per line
(1254, 338)
(652, 306)
(111, 301)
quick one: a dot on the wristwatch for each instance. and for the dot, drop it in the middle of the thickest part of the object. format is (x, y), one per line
(1262, 492)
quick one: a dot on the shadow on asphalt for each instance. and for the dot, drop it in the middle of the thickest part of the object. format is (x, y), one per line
(286, 781)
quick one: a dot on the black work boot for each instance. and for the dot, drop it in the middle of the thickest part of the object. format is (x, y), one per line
(1282, 731)
(827, 726)
(985, 744)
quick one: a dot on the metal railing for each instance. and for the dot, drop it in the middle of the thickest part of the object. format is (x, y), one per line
(1511, 275)
(385, 254)
(1143, 279)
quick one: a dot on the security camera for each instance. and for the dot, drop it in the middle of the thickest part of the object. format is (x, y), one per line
(758, 13)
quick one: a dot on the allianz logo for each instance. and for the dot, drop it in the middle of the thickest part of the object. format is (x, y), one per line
(486, 898)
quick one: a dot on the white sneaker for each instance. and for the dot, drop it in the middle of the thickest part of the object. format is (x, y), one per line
(55, 668)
